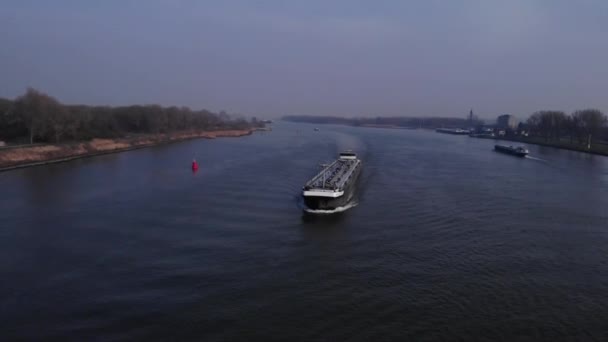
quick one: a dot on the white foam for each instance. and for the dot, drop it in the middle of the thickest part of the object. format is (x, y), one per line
(333, 211)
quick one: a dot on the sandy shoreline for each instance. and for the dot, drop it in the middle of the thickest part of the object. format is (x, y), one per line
(25, 156)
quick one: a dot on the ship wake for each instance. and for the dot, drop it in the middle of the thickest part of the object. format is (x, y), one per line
(537, 159)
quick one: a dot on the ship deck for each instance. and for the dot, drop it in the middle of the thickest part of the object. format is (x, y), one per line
(334, 176)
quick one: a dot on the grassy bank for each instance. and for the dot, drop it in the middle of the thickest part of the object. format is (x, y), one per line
(566, 145)
(40, 154)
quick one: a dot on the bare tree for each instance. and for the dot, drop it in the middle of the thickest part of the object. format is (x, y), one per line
(591, 123)
(60, 123)
(34, 108)
(549, 124)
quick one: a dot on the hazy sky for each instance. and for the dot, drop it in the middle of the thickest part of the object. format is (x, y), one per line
(322, 57)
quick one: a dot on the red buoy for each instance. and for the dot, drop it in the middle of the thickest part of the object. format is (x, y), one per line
(194, 165)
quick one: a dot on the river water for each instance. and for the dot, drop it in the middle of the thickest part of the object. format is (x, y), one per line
(448, 240)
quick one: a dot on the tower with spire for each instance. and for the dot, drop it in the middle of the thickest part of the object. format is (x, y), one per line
(471, 117)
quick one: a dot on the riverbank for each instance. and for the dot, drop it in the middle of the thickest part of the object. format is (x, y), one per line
(599, 149)
(40, 154)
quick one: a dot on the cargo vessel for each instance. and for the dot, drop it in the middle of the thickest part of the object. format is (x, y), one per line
(519, 151)
(334, 186)
(455, 131)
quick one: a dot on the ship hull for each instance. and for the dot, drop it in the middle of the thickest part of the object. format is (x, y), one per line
(329, 203)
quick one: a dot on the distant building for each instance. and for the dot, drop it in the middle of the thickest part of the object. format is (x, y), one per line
(506, 121)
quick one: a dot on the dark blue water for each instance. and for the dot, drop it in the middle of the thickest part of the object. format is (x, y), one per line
(450, 241)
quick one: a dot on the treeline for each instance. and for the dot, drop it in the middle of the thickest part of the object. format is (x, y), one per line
(582, 126)
(318, 119)
(38, 117)
(413, 122)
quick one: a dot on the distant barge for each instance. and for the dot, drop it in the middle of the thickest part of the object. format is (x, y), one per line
(519, 151)
(456, 131)
(334, 186)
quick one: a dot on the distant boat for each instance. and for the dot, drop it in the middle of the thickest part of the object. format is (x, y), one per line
(519, 151)
(456, 131)
(316, 129)
(482, 135)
